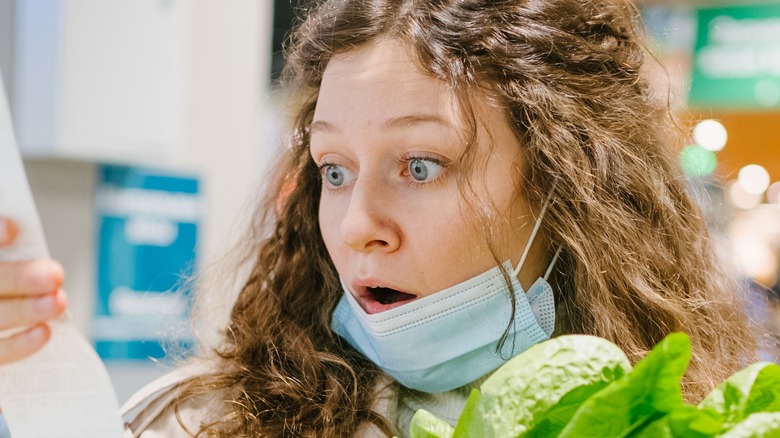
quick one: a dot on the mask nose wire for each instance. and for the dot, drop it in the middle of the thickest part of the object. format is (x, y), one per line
(527, 248)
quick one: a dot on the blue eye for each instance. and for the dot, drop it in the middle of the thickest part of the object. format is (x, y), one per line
(335, 174)
(424, 170)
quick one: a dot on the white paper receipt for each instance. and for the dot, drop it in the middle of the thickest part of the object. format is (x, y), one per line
(64, 390)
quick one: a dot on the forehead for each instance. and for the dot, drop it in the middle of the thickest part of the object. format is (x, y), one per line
(381, 81)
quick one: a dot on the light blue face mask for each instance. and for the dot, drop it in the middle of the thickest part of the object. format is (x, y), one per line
(450, 338)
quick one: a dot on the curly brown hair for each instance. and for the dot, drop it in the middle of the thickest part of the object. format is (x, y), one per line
(636, 262)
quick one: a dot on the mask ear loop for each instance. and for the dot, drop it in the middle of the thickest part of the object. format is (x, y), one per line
(537, 225)
(552, 263)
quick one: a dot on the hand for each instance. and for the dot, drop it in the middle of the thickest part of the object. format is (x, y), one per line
(30, 295)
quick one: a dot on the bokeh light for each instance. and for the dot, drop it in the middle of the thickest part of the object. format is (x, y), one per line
(773, 193)
(754, 179)
(758, 261)
(697, 161)
(710, 134)
(740, 198)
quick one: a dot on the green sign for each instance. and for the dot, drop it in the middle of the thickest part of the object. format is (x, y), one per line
(736, 63)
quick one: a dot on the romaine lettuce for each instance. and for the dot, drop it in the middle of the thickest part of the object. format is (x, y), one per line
(583, 386)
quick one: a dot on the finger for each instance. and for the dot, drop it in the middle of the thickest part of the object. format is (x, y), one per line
(8, 231)
(24, 312)
(21, 279)
(24, 343)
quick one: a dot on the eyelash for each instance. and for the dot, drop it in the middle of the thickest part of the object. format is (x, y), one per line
(403, 162)
(323, 179)
(408, 158)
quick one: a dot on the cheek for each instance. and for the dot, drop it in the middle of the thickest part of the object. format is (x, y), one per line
(492, 224)
(451, 251)
(329, 225)
(458, 237)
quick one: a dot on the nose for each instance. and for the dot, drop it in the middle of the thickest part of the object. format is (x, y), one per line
(368, 224)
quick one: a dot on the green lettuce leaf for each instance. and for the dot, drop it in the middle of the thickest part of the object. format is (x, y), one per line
(754, 389)
(543, 385)
(426, 425)
(581, 386)
(647, 394)
(758, 425)
(468, 415)
(657, 429)
(559, 415)
(683, 422)
(692, 422)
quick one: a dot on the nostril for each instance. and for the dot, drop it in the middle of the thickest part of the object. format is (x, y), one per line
(378, 242)
(368, 236)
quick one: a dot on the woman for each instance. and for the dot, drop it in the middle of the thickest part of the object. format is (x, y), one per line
(509, 154)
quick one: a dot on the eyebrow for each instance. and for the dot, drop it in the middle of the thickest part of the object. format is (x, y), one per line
(392, 123)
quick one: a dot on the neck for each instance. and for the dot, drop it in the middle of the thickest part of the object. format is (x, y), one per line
(534, 266)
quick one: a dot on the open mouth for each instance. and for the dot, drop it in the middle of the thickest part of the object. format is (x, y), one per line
(380, 299)
(385, 295)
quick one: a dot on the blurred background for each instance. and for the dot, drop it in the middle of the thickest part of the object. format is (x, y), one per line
(147, 128)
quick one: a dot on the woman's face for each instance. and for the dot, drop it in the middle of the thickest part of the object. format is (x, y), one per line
(387, 139)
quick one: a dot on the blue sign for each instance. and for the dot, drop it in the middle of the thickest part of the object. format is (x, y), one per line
(148, 223)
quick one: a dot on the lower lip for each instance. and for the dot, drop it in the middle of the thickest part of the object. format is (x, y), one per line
(372, 306)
